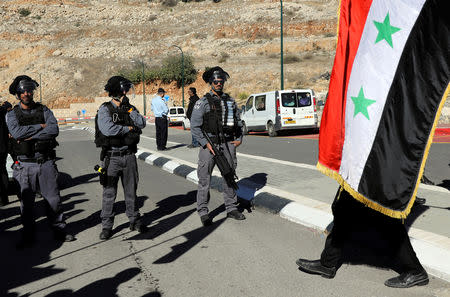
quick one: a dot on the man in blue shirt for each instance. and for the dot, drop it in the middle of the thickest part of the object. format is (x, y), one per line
(160, 110)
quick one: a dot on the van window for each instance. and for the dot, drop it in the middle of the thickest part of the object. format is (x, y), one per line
(180, 110)
(304, 99)
(173, 111)
(260, 102)
(289, 99)
(249, 104)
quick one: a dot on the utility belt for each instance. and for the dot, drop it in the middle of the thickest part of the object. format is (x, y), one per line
(118, 153)
(38, 160)
(216, 139)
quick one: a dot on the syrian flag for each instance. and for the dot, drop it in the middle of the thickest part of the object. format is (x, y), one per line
(388, 85)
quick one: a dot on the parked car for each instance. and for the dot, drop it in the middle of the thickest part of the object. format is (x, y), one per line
(176, 115)
(280, 110)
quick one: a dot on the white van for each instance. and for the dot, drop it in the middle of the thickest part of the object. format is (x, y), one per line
(280, 110)
(176, 115)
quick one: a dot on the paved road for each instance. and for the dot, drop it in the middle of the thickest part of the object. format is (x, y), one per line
(177, 257)
(303, 148)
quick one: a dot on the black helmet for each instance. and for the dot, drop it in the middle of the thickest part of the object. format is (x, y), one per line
(117, 85)
(214, 73)
(21, 84)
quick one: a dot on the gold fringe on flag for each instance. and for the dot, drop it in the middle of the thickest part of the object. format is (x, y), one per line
(374, 205)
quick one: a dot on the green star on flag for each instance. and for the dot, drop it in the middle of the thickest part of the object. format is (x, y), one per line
(361, 103)
(385, 30)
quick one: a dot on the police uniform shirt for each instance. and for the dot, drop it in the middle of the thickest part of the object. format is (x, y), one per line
(200, 108)
(32, 131)
(109, 128)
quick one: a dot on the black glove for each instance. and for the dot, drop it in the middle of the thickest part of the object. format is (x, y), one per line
(125, 102)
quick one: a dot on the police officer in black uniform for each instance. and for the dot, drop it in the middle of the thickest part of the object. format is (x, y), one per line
(118, 129)
(216, 114)
(4, 141)
(34, 130)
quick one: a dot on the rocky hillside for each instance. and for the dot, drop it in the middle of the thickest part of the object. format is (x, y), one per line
(76, 45)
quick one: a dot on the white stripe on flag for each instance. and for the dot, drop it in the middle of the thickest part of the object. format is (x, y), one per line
(373, 71)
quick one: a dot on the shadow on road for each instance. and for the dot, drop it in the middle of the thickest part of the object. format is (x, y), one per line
(66, 181)
(246, 194)
(103, 287)
(166, 207)
(192, 239)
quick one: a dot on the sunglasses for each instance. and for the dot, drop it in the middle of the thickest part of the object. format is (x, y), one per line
(216, 82)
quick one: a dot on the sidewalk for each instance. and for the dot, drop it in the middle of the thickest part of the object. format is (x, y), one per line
(298, 192)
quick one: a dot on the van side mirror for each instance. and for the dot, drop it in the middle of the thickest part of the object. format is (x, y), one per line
(243, 108)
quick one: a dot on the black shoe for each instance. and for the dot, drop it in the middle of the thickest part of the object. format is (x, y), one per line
(315, 267)
(206, 220)
(139, 227)
(426, 181)
(420, 201)
(61, 235)
(162, 149)
(235, 214)
(106, 234)
(408, 279)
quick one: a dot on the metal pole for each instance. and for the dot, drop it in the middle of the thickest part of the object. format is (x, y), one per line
(143, 88)
(182, 77)
(182, 74)
(40, 88)
(281, 48)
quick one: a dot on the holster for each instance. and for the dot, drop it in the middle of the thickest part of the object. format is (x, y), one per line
(104, 176)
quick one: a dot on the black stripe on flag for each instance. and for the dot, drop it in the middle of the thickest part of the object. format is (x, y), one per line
(422, 76)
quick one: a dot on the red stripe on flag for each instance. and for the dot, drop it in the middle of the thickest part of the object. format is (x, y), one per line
(353, 15)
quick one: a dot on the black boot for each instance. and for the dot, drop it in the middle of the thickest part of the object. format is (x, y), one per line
(106, 234)
(315, 267)
(235, 214)
(139, 227)
(62, 236)
(206, 220)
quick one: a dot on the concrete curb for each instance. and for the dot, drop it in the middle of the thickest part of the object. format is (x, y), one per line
(430, 248)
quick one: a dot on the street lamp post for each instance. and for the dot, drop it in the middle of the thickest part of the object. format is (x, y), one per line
(143, 88)
(143, 84)
(281, 45)
(40, 87)
(182, 73)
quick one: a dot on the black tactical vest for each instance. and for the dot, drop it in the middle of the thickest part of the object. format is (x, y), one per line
(212, 119)
(30, 147)
(120, 116)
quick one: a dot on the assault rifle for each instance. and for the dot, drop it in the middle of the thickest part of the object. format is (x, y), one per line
(227, 171)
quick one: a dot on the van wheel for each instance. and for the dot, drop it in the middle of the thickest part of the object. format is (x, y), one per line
(271, 129)
(244, 128)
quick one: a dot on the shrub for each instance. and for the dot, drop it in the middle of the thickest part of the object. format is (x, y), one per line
(307, 56)
(24, 12)
(169, 3)
(170, 70)
(223, 57)
(243, 96)
(289, 58)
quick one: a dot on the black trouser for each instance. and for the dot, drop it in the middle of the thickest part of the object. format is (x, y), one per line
(161, 132)
(3, 178)
(352, 217)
